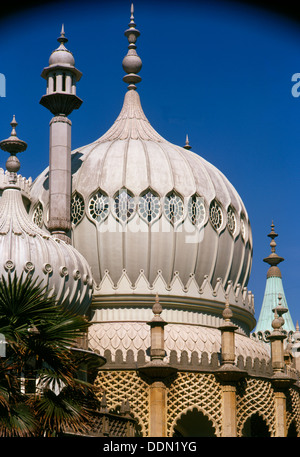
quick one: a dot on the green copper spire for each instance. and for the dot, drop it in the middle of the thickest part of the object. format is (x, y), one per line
(274, 289)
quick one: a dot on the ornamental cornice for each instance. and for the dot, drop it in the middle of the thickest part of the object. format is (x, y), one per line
(191, 292)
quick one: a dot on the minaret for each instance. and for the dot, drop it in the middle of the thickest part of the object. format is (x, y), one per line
(274, 288)
(61, 100)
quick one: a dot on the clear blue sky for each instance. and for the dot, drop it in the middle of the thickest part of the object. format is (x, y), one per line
(219, 71)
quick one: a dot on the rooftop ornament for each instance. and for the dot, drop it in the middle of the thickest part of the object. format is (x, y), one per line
(132, 63)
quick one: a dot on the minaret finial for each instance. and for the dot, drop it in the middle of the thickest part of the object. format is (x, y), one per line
(273, 259)
(62, 39)
(187, 144)
(13, 145)
(132, 63)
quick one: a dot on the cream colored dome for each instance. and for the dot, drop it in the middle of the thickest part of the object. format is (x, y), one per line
(142, 203)
(61, 55)
(24, 248)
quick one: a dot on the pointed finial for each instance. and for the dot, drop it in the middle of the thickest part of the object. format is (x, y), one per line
(13, 145)
(132, 63)
(273, 259)
(187, 144)
(227, 313)
(62, 39)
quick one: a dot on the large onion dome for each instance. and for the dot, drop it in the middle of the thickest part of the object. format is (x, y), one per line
(27, 249)
(141, 203)
(153, 218)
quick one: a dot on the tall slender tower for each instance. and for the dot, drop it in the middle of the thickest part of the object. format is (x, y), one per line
(61, 100)
(274, 289)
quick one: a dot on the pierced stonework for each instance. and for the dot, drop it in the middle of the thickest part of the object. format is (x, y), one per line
(173, 207)
(126, 386)
(196, 210)
(231, 220)
(255, 396)
(215, 214)
(124, 206)
(195, 390)
(149, 207)
(99, 207)
(37, 217)
(77, 208)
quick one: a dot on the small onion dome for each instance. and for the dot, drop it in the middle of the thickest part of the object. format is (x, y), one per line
(25, 248)
(61, 55)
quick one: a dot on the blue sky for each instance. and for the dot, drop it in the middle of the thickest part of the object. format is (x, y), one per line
(219, 71)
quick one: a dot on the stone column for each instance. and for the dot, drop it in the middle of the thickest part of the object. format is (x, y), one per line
(280, 380)
(60, 177)
(157, 373)
(228, 374)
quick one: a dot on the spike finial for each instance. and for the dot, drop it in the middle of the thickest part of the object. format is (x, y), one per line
(13, 145)
(62, 38)
(132, 63)
(187, 144)
(273, 259)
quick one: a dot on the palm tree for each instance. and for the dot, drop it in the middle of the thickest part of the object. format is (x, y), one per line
(40, 392)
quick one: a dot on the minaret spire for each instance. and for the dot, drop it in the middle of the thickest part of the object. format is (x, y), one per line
(60, 99)
(273, 290)
(132, 63)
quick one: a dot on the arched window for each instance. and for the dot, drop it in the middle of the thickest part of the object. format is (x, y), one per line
(173, 207)
(196, 210)
(38, 215)
(215, 214)
(231, 220)
(149, 206)
(77, 208)
(99, 206)
(124, 205)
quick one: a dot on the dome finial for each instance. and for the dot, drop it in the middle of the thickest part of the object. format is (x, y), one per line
(273, 259)
(13, 145)
(132, 63)
(62, 39)
(187, 143)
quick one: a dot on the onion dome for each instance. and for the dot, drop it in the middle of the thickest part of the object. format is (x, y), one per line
(273, 290)
(61, 55)
(141, 203)
(27, 249)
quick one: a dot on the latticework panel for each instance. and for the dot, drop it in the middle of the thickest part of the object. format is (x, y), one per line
(120, 386)
(293, 409)
(195, 390)
(255, 396)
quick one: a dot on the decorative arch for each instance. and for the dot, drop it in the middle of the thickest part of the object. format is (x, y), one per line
(195, 390)
(256, 426)
(193, 422)
(255, 396)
